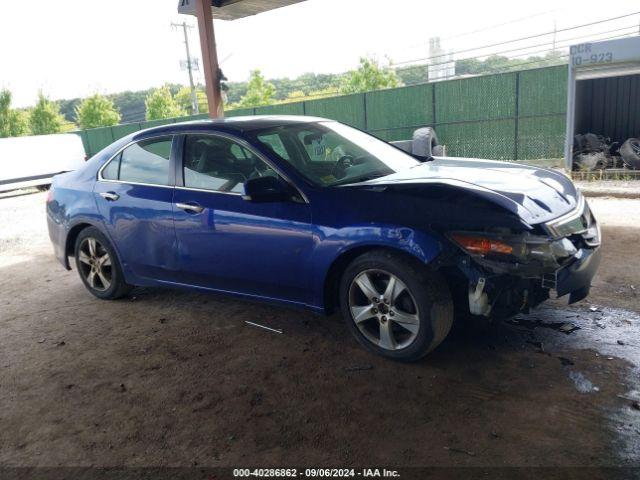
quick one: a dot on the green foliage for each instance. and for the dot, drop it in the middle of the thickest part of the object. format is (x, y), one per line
(259, 91)
(161, 104)
(13, 123)
(97, 111)
(368, 76)
(131, 105)
(45, 117)
(183, 98)
(498, 63)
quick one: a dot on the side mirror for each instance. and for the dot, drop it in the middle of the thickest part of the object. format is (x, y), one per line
(267, 189)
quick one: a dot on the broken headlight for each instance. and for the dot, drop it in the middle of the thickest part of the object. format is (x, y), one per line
(524, 248)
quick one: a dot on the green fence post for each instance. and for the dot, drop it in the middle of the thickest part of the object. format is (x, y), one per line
(364, 107)
(517, 115)
(433, 104)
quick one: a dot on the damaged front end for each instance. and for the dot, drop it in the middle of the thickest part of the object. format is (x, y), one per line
(509, 272)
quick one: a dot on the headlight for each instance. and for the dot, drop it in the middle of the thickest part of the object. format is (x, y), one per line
(514, 248)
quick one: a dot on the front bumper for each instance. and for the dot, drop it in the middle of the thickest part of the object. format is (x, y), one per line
(504, 288)
(575, 277)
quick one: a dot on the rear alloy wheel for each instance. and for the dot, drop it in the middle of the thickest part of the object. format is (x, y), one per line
(98, 266)
(395, 306)
(95, 264)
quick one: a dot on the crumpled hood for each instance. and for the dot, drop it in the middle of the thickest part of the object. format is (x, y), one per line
(535, 194)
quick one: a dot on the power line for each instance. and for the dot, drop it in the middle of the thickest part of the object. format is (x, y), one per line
(520, 39)
(284, 91)
(491, 27)
(510, 22)
(532, 46)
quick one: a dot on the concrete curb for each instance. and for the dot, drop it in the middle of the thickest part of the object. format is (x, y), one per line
(594, 193)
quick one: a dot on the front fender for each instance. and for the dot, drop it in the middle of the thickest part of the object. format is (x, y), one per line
(333, 244)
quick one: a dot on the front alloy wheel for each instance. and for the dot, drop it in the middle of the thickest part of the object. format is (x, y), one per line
(383, 309)
(395, 305)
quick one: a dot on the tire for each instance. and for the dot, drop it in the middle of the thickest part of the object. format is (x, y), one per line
(98, 265)
(421, 300)
(588, 162)
(630, 153)
(438, 151)
(423, 142)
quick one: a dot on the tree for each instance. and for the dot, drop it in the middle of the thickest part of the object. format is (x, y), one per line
(45, 117)
(259, 91)
(13, 123)
(161, 104)
(183, 98)
(97, 111)
(368, 76)
(500, 63)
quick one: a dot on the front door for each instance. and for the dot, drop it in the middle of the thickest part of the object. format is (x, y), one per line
(231, 244)
(134, 194)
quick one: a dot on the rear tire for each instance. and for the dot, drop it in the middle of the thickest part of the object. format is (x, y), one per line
(408, 318)
(98, 265)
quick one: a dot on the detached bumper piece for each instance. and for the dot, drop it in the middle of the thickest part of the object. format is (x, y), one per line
(575, 277)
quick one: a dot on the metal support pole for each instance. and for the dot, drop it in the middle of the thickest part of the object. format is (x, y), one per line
(571, 112)
(209, 58)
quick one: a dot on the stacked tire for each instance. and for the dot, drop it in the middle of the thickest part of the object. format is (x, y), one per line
(630, 153)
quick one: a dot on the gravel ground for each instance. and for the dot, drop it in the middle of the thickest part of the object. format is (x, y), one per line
(175, 378)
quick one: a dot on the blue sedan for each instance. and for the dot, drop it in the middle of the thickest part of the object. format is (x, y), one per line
(312, 213)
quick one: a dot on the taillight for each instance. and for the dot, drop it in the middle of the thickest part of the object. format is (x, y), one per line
(50, 195)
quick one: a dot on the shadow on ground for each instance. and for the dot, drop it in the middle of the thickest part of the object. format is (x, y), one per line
(177, 378)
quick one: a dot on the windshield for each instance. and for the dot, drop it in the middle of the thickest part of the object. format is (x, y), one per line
(330, 153)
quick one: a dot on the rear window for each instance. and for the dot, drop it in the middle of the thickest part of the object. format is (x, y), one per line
(143, 162)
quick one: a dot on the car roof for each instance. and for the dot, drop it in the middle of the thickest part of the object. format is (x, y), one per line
(237, 125)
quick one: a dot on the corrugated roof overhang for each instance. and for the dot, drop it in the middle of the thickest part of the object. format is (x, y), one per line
(235, 9)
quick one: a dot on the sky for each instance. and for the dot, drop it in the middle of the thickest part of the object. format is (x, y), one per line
(76, 48)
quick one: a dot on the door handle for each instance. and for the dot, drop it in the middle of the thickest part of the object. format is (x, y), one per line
(190, 207)
(110, 196)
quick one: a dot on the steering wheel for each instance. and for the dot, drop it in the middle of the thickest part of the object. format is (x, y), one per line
(340, 168)
(256, 173)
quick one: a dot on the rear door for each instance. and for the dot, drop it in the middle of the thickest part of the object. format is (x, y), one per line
(228, 243)
(134, 193)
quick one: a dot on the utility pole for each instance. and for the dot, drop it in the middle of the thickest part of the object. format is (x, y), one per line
(194, 96)
(554, 36)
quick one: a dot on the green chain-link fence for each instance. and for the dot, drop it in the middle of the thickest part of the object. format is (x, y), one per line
(507, 116)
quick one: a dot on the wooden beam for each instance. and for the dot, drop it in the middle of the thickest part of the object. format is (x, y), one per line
(209, 58)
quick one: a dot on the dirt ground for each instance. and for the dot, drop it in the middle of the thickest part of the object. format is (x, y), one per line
(175, 378)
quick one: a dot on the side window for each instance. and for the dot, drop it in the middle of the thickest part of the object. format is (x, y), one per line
(220, 164)
(110, 172)
(143, 162)
(274, 141)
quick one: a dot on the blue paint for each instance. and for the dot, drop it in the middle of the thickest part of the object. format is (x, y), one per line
(283, 251)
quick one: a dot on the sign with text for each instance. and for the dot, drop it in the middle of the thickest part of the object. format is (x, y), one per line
(612, 51)
(187, 7)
